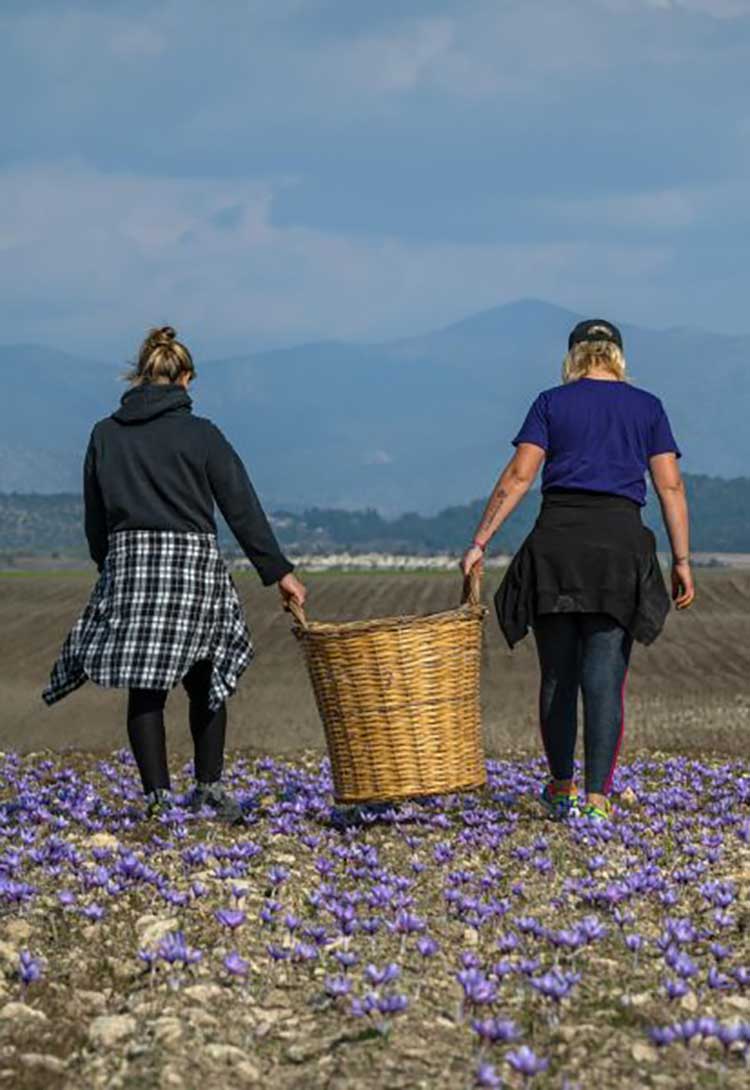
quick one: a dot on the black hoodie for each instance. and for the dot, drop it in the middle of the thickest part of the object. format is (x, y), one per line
(152, 465)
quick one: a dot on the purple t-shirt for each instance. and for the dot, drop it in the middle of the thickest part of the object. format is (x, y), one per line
(598, 435)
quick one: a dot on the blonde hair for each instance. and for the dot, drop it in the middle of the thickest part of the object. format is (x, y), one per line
(585, 356)
(161, 359)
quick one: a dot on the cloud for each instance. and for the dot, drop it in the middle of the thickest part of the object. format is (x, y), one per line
(267, 170)
(659, 211)
(716, 9)
(114, 253)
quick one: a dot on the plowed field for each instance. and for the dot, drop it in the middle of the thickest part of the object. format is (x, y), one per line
(690, 690)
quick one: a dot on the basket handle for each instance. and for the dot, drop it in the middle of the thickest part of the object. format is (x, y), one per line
(297, 611)
(472, 586)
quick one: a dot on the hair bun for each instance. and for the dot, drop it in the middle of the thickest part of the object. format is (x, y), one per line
(162, 337)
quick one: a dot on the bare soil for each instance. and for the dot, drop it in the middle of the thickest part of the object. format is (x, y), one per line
(690, 690)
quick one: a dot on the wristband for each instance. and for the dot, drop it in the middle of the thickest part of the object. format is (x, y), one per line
(478, 545)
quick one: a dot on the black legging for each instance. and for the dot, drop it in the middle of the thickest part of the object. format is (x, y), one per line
(148, 738)
(590, 651)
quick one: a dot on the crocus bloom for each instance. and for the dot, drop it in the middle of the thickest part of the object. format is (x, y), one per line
(230, 917)
(526, 1062)
(236, 965)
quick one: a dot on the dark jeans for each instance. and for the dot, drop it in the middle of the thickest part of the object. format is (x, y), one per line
(148, 738)
(590, 652)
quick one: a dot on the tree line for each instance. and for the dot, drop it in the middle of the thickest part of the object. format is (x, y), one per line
(36, 524)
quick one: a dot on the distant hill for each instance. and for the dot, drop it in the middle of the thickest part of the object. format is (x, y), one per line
(720, 511)
(415, 424)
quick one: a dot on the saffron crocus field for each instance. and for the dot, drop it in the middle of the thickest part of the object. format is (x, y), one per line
(462, 942)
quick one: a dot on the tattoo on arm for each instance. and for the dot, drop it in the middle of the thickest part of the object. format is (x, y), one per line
(492, 510)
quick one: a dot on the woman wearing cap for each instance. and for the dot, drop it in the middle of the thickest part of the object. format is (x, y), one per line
(164, 609)
(587, 579)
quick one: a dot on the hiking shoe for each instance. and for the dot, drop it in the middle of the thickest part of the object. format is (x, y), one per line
(597, 813)
(560, 805)
(218, 799)
(158, 802)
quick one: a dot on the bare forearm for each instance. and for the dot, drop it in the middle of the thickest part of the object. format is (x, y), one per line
(506, 495)
(674, 511)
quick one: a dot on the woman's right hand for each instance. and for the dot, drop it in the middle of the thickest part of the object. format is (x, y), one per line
(472, 556)
(683, 588)
(292, 589)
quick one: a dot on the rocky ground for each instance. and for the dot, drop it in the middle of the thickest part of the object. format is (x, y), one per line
(454, 943)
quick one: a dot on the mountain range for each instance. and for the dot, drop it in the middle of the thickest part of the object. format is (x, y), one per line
(413, 424)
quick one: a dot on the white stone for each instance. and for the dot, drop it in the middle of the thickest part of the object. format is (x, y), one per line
(8, 954)
(18, 930)
(167, 1031)
(643, 1053)
(20, 1012)
(43, 1062)
(109, 1029)
(103, 840)
(203, 993)
(227, 1054)
(152, 929)
(170, 1079)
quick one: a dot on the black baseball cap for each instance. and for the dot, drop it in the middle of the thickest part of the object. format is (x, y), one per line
(595, 329)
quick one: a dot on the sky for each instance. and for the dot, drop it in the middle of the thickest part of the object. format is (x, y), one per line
(270, 172)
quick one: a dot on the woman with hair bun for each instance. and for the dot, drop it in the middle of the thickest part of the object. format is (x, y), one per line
(165, 609)
(587, 579)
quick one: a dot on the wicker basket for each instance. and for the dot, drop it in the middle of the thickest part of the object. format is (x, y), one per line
(399, 700)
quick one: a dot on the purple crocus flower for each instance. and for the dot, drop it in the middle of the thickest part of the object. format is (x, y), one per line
(555, 985)
(377, 977)
(93, 912)
(303, 951)
(496, 1029)
(487, 1077)
(718, 981)
(173, 948)
(506, 944)
(235, 965)
(230, 917)
(662, 1035)
(392, 1004)
(682, 964)
(477, 988)
(337, 986)
(526, 1062)
(427, 946)
(406, 923)
(29, 968)
(346, 958)
(675, 989)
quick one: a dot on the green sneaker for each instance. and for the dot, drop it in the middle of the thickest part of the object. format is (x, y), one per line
(560, 805)
(597, 813)
(158, 802)
(217, 798)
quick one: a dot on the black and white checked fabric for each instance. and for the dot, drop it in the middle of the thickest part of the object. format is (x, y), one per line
(164, 600)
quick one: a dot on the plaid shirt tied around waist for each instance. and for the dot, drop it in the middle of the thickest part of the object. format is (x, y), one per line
(163, 601)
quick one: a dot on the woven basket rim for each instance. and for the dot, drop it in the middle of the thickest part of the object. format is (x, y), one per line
(464, 612)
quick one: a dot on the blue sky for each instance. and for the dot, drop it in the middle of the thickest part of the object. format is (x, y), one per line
(262, 172)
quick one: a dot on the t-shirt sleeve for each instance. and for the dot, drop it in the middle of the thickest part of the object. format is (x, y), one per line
(535, 428)
(661, 439)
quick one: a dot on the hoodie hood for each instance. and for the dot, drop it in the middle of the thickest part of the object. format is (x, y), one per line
(146, 402)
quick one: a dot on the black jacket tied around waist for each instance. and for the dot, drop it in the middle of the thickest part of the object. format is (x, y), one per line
(587, 553)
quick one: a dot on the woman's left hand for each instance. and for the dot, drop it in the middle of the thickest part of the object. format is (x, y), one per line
(472, 556)
(292, 590)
